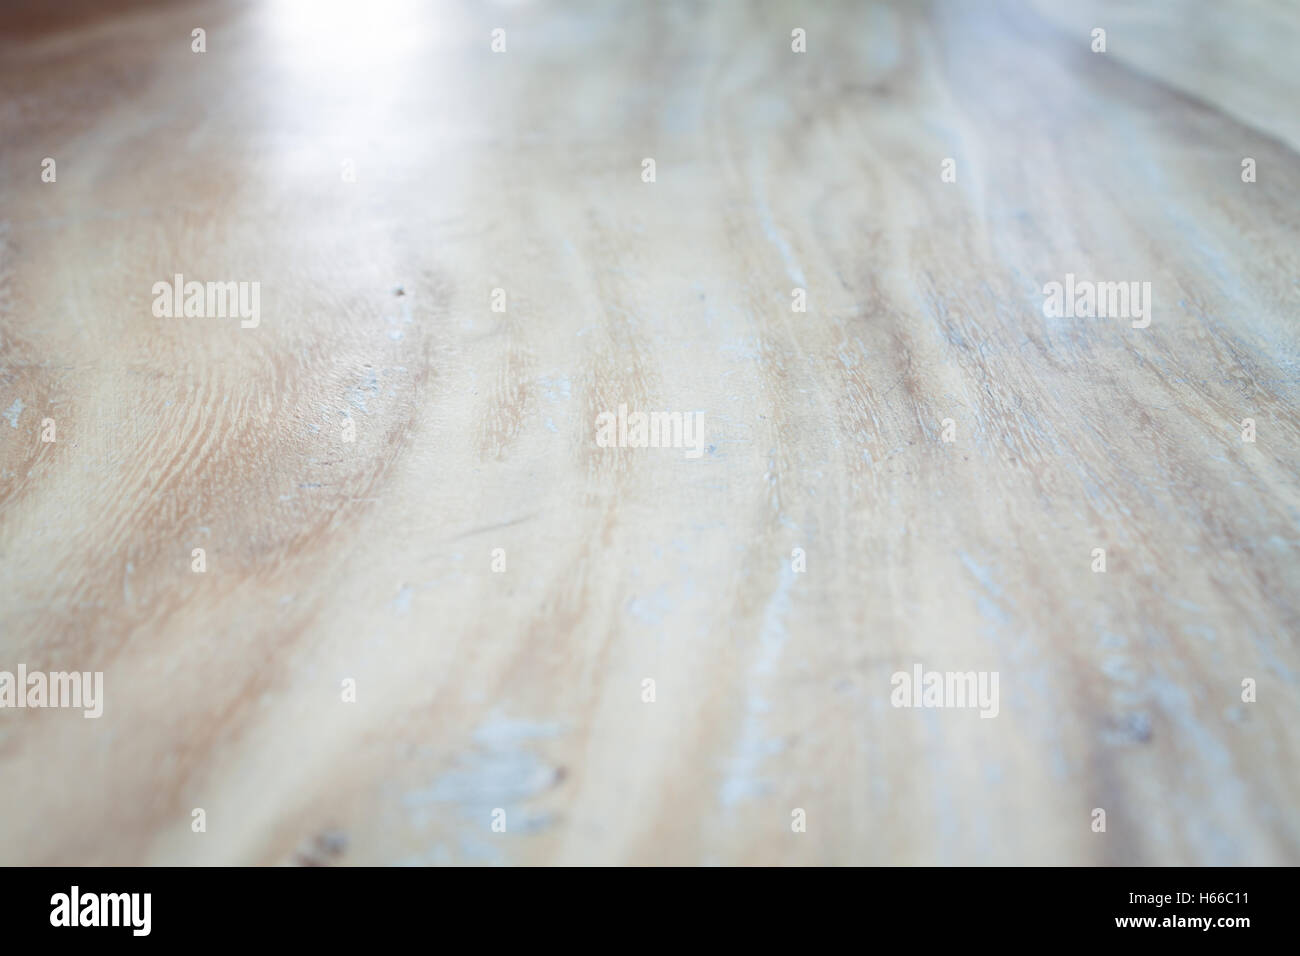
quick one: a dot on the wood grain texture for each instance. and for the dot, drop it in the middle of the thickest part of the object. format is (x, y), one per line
(371, 560)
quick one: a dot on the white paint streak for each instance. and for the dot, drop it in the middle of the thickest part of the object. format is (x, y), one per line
(14, 411)
(744, 780)
(773, 234)
(500, 770)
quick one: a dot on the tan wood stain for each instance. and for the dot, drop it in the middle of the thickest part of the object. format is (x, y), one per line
(371, 560)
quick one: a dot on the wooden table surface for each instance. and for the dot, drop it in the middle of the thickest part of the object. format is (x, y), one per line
(351, 466)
